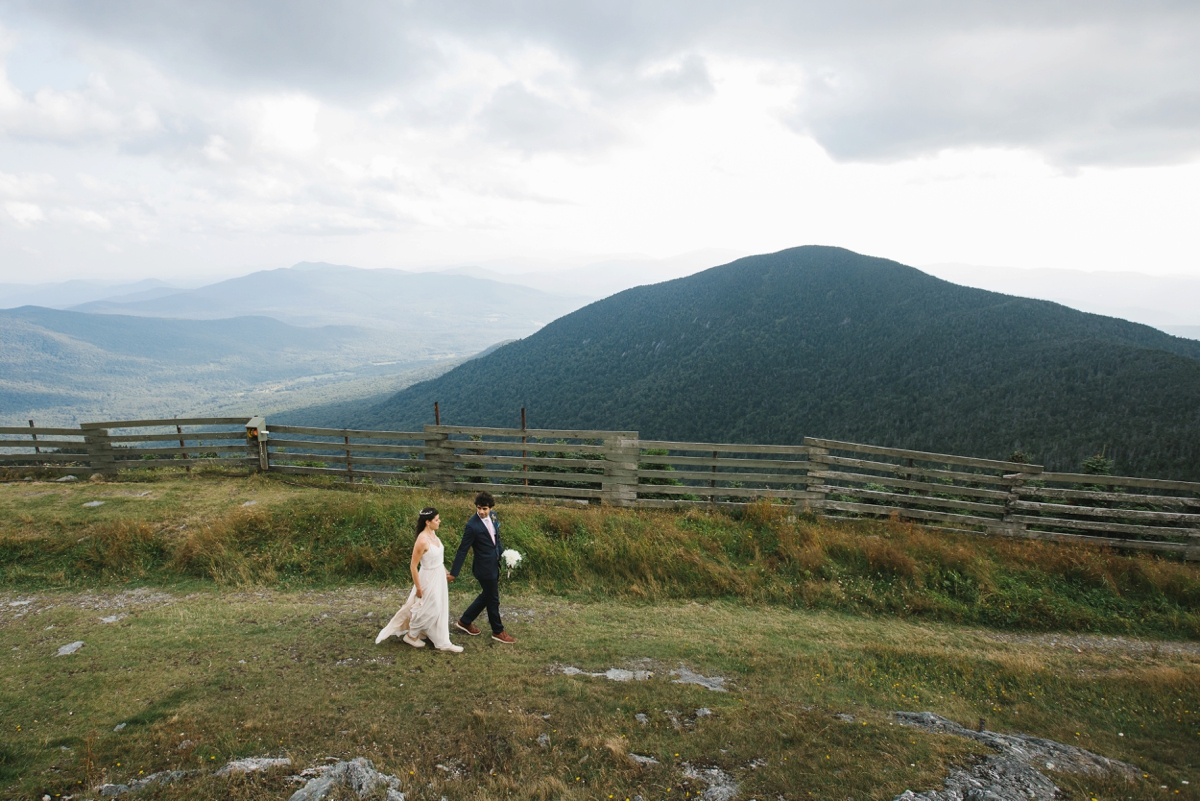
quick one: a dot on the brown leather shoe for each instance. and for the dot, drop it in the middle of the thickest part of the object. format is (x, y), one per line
(503, 637)
(467, 627)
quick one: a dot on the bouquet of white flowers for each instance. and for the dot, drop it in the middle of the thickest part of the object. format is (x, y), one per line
(512, 559)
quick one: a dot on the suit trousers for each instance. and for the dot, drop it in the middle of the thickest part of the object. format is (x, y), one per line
(489, 597)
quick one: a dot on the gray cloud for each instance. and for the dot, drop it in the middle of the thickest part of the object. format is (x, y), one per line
(1102, 82)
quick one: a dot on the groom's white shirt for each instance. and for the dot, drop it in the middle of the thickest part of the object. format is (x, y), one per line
(487, 523)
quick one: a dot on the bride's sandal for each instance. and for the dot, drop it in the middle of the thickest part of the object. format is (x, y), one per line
(414, 643)
(452, 648)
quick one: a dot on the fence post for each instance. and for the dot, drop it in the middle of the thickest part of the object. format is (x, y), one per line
(621, 451)
(99, 450)
(439, 459)
(256, 443)
(816, 497)
(1008, 525)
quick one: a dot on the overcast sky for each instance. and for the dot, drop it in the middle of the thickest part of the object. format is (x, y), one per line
(175, 139)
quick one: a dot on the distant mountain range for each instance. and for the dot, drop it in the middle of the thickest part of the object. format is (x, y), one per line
(463, 312)
(825, 342)
(63, 366)
(65, 294)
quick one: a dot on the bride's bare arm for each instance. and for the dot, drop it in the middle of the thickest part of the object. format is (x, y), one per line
(419, 549)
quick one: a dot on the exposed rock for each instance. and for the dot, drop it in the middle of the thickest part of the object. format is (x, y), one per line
(1035, 751)
(703, 712)
(358, 775)
(686, 676)
(94, 503)
(641, 718)
(65, 479)
(112, 619)
(643, 760)
(163, 777)
(719, 785)
(996, 779)
(253, 764)
(844, 717)
(1013, 775)
(612, 674)
(543, 740)
(120, 726)
(70, 648)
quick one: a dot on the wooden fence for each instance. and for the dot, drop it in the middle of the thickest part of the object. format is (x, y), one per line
(830, 478)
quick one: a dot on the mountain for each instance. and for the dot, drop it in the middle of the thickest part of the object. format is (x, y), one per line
(462, 313)
(825, 342)
(64, 294)
(63, 366)
(601, 279)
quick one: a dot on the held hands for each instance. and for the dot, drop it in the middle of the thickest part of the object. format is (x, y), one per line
(449, 577)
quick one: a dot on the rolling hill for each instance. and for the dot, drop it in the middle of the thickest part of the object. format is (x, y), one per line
(63, 366)
(825, 342)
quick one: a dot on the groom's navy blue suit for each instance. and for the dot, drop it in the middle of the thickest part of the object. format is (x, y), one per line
(486, 569)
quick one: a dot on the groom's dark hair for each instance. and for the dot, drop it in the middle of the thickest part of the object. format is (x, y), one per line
(485, 499)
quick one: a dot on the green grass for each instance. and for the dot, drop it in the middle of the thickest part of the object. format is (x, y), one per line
(179, 527)
(249, 630)
(296, 673)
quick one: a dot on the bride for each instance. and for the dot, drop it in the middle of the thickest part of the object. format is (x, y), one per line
(426, 613)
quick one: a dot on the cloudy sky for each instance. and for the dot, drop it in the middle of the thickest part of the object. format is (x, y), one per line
(176, 139)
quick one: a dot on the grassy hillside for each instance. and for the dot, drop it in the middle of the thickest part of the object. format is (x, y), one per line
(217, 630)
(62, 366)
(824, 342)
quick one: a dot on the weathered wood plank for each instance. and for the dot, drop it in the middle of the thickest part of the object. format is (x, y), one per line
(914, 514)
(766, 478)
(462, 444)
(44, 457)
(41, 443)
(800, 450)
(724, 492)
(889, 481)
(919, 500)
(355, 447)
(1121, 481)
(534, 475)
(903, 470)
(49, 468)
(216, 436)
(309, 471)
(708, 461)
(671, 503)
(353, 433)
(541, 433)
(49, 432)
(124, 454)
(191, 421)
(924, 456)
(1113, 528)
(1187, 550)
(133, 464)
(532, 461)
(1109, 514)
(521, 489)
(1106, 497)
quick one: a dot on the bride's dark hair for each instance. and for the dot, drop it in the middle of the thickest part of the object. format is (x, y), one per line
(424, 516)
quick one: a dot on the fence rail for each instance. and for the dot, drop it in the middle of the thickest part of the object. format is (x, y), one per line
(831, 478)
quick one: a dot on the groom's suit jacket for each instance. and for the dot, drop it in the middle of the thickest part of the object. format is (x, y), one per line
(487, 555)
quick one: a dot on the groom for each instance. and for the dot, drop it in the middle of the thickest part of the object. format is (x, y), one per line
(482, 533)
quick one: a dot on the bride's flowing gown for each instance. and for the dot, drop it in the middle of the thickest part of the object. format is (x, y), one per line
(428, 616)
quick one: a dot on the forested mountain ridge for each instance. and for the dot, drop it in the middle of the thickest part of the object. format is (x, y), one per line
(825, 342)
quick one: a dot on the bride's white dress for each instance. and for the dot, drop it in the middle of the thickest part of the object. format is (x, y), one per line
(428, 616)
